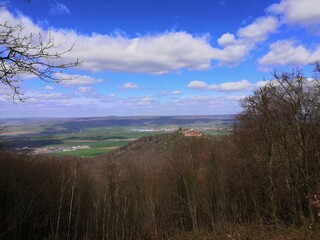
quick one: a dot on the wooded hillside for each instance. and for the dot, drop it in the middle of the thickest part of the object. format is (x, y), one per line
(262, 181)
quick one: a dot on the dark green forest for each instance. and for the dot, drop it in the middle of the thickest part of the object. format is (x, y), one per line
(261, 181)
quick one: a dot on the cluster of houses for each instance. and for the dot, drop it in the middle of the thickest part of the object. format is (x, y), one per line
(190, 132)
(51, 149)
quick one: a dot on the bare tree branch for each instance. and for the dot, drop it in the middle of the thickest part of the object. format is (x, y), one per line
(28, 54)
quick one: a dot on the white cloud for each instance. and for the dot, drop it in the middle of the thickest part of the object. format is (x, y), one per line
(74, 80)
(233, 55)
(146, 100)
(287, 52)
(236, 98)
(5, 93)
(233, 86)
(45, 97)
(262, 83)
(48, 88)
(301, 12)
(25, 76)
(176, 92)
(57, 8)
(236, 49)
(227, 86)
(152, 53)
(258, 30)
(81, 101)
(226, 39)
(58, 104)
(199, 85)
(138, 102)
(130, 85)
(45, 100)
(85, 89)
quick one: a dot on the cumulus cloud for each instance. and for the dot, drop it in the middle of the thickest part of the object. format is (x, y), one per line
(130, 85)
(199, 85)
(159, 53)
(74, 80)
(235, 49)
(57, 8)
(226, 87)
(287, 52)
(301, 12)
(233, 55)
(226, 39)
(258, 30)
(232, 86)
(154, 54)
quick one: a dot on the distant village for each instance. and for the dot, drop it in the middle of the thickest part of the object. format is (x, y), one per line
(184, 131)
(52, 149)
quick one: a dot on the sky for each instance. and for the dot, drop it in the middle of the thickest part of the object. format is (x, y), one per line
(142, 57)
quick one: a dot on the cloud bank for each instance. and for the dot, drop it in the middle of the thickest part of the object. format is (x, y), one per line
(288, 52)
(160, 53)
(173, 51)
(242, 85)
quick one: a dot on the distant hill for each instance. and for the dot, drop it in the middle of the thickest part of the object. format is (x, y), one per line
(71, 124)
(152, 151)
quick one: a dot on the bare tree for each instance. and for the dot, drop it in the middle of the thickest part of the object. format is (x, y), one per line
(279, 127)
(28, 54)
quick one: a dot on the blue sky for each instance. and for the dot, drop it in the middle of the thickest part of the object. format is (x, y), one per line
(161, 57)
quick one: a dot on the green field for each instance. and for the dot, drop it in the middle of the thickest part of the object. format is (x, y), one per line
(100, 140)
(96, 147)
(59, 136)
(215, 133)
(97, 144)
(116, 133)
(90, 152)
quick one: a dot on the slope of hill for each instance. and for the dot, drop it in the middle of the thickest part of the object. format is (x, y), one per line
(151, 152)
